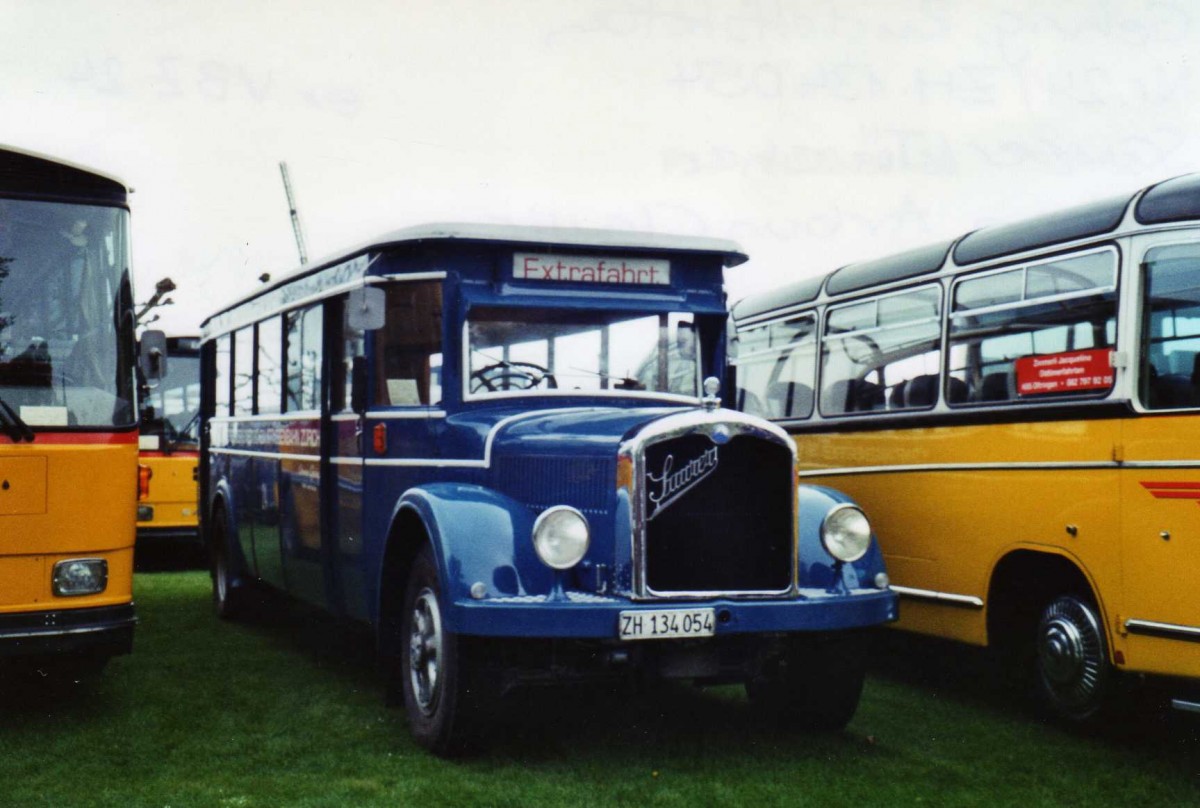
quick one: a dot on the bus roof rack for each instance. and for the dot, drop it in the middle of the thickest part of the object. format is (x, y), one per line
(1172, 200)
(1083, 221)
(899, 267)
(802, 291)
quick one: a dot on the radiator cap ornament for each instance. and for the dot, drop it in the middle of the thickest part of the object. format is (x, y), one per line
(712, 393)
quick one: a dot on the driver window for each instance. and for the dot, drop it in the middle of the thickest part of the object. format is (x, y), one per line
(408, 349)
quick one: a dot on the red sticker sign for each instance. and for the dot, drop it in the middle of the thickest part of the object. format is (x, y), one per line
(1069, 372)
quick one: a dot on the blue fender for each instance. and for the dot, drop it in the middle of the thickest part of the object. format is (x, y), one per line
(478, 536)
(817, 567)
(239, 569)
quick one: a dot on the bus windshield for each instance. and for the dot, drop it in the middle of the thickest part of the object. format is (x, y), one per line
(170, 410)
(569, 350)
(63, 304)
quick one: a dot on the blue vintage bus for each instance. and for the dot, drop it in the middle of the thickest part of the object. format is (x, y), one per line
(494, 446)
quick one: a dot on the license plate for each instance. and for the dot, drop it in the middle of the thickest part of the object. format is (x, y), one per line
(666, 623)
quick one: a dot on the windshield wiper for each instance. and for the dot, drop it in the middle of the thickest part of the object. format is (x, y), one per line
(14, 426)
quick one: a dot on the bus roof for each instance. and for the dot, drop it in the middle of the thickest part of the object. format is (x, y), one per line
(546, 237)
(1173, 200)
(24, 172)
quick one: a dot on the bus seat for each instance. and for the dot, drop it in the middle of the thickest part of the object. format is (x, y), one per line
(852, 395)
(922, 391)
(802, 401)
(956, 391)
(896, 396)
(994, 387)
(835, 398)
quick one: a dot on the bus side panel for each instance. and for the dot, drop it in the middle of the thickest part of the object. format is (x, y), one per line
(65, 501)
(1161, 542)
(944, 502)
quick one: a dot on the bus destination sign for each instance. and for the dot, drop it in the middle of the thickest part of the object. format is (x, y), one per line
(581, 269)
(1069, 372)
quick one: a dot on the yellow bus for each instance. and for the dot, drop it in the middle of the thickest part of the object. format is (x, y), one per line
(68, 416)
(1014, 411)
(168, 452)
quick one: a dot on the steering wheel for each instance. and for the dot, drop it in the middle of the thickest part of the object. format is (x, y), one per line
(511, 376)
(862, 350)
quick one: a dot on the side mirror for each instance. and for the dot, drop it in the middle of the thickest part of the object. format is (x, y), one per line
(358, 385)
(152, 355)
(365, 308)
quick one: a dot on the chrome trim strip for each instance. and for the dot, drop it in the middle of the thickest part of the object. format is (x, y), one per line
(1168, 630)
(939, 597)
(54, 631)
(920, 467)
(434, 275)
(389, 415)
(1162, 464)
(266, 455)
(306, 415)
(1183, 705)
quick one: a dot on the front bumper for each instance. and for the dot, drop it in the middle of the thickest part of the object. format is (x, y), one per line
(587, 615)
(104, 630)
(169, 537)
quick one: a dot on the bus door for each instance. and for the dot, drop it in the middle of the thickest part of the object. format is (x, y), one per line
(1161, 452)
(300, 489)
(347, 345)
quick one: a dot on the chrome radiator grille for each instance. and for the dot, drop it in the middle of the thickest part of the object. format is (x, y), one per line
(718, 517)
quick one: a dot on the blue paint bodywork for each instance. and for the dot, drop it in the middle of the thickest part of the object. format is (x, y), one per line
(475, 472)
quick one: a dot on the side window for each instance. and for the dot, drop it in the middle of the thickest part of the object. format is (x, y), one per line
(1170, 373)
(882, 353)
(408, 349)
(221, 376)
(270, 369)
(304, 333)
(776, 368)
(243, 371)
(353, 346)
(1036, 332)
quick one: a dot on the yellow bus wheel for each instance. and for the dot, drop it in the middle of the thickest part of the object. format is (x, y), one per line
(1073, 672)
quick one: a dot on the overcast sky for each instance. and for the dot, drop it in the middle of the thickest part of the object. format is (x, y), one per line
(813, 133)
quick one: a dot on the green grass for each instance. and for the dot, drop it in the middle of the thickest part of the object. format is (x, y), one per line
(288, 710)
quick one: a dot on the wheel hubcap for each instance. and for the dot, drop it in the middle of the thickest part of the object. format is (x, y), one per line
(425, 651)
(1071, 654)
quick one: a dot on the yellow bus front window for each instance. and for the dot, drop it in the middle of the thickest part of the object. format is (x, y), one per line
(1170, 372)
(65, 314)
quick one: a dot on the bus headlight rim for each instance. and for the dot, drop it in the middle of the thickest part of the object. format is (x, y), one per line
(846, 532)
(561, 537)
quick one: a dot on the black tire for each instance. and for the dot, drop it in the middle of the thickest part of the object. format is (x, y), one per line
(814, 685)
(1072, 674)
(228, 599)
(444, 696)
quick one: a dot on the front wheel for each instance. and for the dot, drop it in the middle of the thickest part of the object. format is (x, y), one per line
(443, 693)
(813, 685)
(1073, 675)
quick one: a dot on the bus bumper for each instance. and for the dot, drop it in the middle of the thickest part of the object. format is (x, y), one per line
(587, 615)
(105, 630)
(180, 537)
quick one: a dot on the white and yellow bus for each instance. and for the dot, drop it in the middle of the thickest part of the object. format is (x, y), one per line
(1014, 409)
(68, 416)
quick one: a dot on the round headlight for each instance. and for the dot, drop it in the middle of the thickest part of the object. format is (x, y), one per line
(561, 537)
(846, 533)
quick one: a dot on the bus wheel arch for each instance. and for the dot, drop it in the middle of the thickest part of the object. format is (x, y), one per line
(406, 536)
(432, 672)
(1043, 613)
(227, 595)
